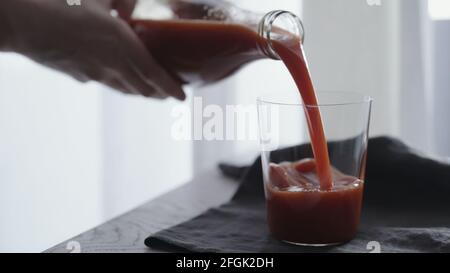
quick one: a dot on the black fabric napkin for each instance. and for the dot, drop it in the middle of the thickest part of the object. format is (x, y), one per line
(406, 202)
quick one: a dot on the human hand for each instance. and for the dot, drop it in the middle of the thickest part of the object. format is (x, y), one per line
(88, 43)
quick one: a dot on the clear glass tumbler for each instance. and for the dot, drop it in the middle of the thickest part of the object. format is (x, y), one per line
(298, 210)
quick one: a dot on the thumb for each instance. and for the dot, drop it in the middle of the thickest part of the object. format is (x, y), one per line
(125, 8)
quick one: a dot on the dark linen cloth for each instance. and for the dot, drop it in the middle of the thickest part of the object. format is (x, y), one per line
(406, 208)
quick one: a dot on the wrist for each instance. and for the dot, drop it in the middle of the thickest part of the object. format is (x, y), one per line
(6, 32)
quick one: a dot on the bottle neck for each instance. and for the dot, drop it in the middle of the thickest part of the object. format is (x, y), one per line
(274, 26)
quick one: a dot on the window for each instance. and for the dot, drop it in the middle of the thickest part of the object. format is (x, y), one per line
(439, 9)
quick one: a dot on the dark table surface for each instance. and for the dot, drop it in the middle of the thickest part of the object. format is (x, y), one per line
(127, 232)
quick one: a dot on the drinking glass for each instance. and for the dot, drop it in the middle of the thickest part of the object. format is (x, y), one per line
(298, 210)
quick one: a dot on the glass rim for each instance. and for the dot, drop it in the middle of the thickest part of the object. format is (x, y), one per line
(363, 99)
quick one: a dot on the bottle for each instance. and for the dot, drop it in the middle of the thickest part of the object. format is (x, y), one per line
(203, 41)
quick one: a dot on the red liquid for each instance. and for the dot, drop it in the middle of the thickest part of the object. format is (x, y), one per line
(207, 51)
(292, 54)
(196, 51)
(299, 211)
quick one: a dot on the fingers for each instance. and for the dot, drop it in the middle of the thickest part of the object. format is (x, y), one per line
(129, 89)
(153, 75)
(130, 63)
(134, 82)
(119, 76)
(125, 8)
(119, 86)
(145, 67)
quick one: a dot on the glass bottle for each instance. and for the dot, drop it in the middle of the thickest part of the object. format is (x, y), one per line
(203, 41)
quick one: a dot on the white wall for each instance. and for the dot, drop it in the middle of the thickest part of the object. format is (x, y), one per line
(74, 155)
(352, 46)
(416, 69)
(141, 160)
(50, 164)
(441, 87)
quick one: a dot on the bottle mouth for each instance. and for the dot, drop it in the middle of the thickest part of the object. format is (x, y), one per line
(277, 24)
